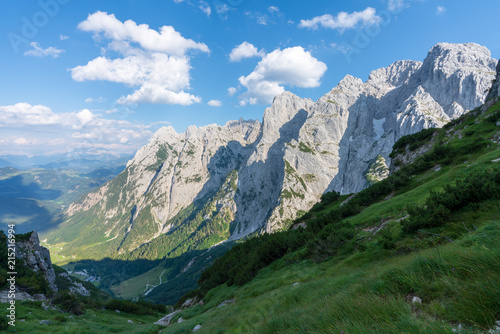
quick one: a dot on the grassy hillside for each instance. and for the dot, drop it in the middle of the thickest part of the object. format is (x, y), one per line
(431, 230)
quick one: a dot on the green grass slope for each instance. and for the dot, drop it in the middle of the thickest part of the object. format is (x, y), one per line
(430, 230)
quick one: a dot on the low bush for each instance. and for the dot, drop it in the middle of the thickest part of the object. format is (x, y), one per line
(69, 303)
(472, 188)
(140, 308)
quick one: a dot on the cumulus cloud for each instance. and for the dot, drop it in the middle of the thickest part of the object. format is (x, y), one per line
(343, 20)
(153, 61)
(38, 51)
(166, 40)
(26, 114)
(231, 91)
(292, 66)
(440, 10)
(23, 141)
(245, 50)
(43, 129)
(214, 103)
(63, 37)
(85, 116)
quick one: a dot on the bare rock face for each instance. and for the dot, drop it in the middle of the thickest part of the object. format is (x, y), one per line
(37, 258)
(302, 148)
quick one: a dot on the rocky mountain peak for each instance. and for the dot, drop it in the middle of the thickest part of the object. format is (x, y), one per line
(349, 83)
(396, 74)
(266, 174)
(449, 55)
(284, 109)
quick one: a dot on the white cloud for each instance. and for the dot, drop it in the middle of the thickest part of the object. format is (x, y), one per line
(222, 8)
(26, 114)
(85, 116)
(38, 51)
(167, 40)
(343, 20)
(339, 48)
(440, 10)
(63, 37)
(214, 103)
(273, 9)
(35, 128)
(151, 93)
(245, 50)
(292, 66)
(393, 5)
(23, 141)
(90, 135)
(205, 8)
(100, 99)
(231, 91)
(263, 20)
(158, 68)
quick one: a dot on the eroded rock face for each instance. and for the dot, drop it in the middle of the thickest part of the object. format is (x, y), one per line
(356, 122)
(37, 258)
(301, 149)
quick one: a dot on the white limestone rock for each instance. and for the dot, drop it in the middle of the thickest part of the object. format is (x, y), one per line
(301, 149)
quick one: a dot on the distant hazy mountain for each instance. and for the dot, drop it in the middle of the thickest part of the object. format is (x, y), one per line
(72, 160)
(5, 163)
(35, 198)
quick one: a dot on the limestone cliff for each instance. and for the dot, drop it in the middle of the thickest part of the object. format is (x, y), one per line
(37, 258)
(279, 167)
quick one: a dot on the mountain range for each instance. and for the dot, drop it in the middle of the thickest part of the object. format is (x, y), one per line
(186, 192)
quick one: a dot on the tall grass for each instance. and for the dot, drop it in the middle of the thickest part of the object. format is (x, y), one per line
(367, 292)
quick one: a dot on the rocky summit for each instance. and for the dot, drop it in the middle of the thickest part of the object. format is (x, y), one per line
(251, 177)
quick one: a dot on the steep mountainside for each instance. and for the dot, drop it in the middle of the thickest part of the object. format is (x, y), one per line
(418, 252)
(189, 191)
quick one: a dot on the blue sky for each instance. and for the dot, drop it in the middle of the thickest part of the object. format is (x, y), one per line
(102, 76)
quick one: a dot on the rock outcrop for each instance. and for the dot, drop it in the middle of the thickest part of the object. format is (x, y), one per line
(268, 173)
(37, 258)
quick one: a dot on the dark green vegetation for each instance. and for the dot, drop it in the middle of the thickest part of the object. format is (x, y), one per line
(430, 230)
(33, 199)
(69, 312)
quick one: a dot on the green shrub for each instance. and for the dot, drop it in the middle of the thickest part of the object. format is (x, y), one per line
(139, 308)
(473, 187)
(60, 318)
(4, 323)
(69, 303)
